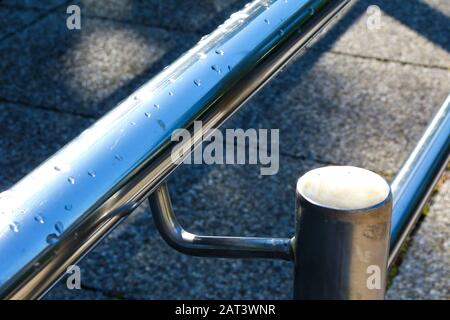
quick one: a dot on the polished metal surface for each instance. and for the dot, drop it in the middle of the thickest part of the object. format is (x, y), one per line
(416, 179)
(211, 246)
(56, 214)
(336, 250)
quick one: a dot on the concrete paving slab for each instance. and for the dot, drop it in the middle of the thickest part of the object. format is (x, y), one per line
(13, 20)
(84, 71)
(347, 110)
(60, 292)
(409, 32)
(187, 15)
(33, 4)
(425, 270)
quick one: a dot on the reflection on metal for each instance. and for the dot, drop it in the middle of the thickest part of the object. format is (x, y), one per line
(56, 214)
(211, 246)
(416, 179)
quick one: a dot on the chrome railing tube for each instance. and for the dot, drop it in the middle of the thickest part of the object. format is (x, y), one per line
(56, 214)
(211, 246)
(416, 179)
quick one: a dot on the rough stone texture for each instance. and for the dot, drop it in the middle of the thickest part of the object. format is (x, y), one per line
(191, 16)
(425, 271)
(13, 20)
(364, 103)
(83, 71)
(412, 33)
(60, 292)
(348, 110)
(33, 4)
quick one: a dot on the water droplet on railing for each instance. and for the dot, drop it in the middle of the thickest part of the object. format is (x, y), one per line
(52, 238)
(156, 106)
(57, 168)
(201, 55)
(71, 180)
(216, 68)
(39, 219)
(170, 93)
(267, 21)
(14, 226)
(92, 173)
(118, 157)
(281, 32)
(68, 207)
(311, 11)
(148, 114)
(132, 123)
(229, 68)
(161, 124)
(59, 227)
(220, 52)
(198, 83)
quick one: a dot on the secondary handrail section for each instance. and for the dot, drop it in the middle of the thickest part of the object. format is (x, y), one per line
(416, 179)
(56, 214)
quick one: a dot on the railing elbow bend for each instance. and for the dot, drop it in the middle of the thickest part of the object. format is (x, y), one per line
(211, 246)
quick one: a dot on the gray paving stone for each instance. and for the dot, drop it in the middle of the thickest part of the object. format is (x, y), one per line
(185, 15)
(425, 271)
(13, 20)
(33, 4)
(347, 110)
(88, 71)
(30, 136)
(411, 32)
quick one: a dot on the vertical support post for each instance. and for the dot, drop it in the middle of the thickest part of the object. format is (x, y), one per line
(341, 244)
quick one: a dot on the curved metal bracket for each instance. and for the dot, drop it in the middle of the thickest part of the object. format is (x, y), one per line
(211, 246)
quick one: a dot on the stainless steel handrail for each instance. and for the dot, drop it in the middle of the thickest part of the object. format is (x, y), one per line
(211, 246)
(56, 214)
(416, 179)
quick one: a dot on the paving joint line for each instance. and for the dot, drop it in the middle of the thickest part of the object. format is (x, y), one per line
(22, 8)
(33, 22)
(386, 60)
(44, 108)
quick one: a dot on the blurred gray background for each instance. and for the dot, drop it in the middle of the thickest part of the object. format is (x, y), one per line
(359, 97)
